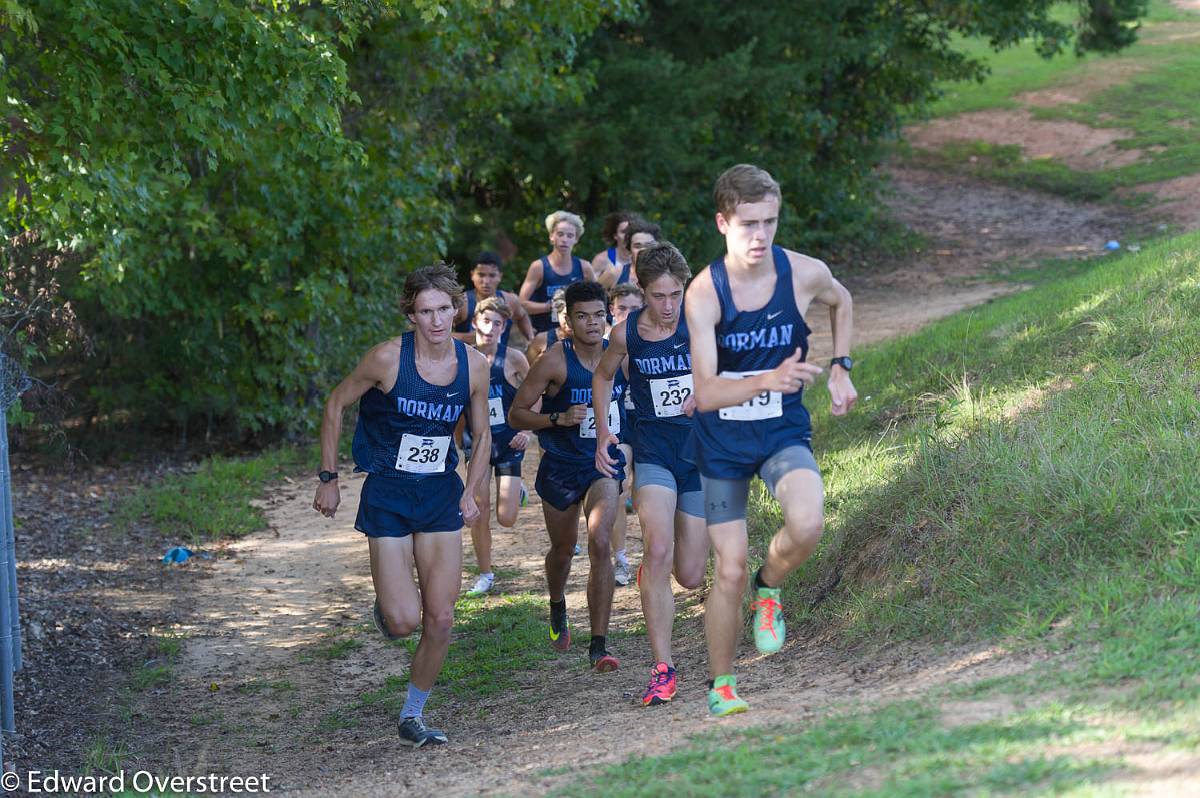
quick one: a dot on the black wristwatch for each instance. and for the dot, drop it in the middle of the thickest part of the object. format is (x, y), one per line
(554, 419)
(844, 362)
(327, 476)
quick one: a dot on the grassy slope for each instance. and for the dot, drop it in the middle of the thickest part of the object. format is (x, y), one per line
(1018, 468)
(1155, 103)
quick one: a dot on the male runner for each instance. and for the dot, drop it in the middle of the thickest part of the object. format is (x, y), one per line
(508, 370)
(567, 476)
(670, 503)
(485, 278)
(413, 505)
(745, 314)
(558, 268)
(612, 265)
(560, 331)
(623, 299)
(640, 234)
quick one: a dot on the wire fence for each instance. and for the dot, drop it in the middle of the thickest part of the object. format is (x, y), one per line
(13, 382)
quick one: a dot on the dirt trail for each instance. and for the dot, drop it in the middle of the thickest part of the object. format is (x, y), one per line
(279, 650)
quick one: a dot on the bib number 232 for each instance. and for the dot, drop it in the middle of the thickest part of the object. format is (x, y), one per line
(423, 455)
(768, 404)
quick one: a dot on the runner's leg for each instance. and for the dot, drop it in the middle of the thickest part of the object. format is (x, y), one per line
(723, 610)
(656, 510)
(508, 500)
(563, 528)
(392, 574)
(481, 530)
(801, 495)
(600, 508)
(691, 550)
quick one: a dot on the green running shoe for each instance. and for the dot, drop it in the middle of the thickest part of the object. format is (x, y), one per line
(723, 698)
(769, 629)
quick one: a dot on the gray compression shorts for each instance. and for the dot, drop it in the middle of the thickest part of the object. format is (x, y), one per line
(725, 499)
(690, 503)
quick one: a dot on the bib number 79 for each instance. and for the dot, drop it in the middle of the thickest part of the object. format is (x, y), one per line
(767, 404)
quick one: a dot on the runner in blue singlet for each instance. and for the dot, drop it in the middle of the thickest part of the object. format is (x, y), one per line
(567, 477)
(558, 269)
(559, 332)
(623, 299)
(612, 263)
(485, 279)
(670, 503)
(745, 313)
(411, 392)
(509, 368)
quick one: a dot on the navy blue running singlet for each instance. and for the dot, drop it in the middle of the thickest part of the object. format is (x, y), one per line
(551, 282)
(625, 267)
(578, 442)
(408, 431)
(734, 441)
(660, 373)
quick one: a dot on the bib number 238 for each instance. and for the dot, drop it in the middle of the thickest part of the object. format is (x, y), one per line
(768, 404)
(423, 455)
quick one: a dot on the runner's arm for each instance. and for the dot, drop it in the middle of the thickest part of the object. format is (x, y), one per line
(588, 272)
(481, 433)
(601, 268)
(602, 388)
(537, 347)
(533, 278)
(550, 368)
(521, 316)
(373, 370)
(842, 394)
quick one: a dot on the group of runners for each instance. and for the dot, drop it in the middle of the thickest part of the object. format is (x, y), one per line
(686, 400)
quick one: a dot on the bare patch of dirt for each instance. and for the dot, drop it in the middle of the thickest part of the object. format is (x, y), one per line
(1099, 76)
(1076, 145)
(1179, 200)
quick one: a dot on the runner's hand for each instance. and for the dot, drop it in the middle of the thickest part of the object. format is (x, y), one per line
(841, 392)
(791, 375)
(574, 416)
(689, 405)
(520, 441)
(327, 499)
(605, 462)
(470, 510)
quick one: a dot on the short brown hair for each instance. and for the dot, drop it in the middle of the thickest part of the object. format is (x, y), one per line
(625, 289)
(640, 225)
(496, 304)
(612, 222)
(661, 258)
(439, 277)
(743, 183)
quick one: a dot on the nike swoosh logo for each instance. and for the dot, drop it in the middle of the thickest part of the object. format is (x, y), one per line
(677, 346)
(449, 395)
(773, 315)
(554, 635)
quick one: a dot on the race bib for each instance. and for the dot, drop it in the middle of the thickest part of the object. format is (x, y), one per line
(588, 428)
(629, 400)
(768, 404)
(421, 454)
(496, 411)
(669, 394)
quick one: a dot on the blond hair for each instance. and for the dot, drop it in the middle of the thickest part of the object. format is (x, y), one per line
(554, 219)
(496, 304)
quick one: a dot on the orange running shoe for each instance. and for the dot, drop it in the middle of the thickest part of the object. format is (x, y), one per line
(662, 685)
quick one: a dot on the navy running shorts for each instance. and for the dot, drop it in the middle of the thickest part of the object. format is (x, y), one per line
(394, 507)
(562, 482)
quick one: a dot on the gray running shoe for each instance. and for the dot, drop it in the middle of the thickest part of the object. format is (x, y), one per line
(621, 573)
(483, 585)
(414, 734)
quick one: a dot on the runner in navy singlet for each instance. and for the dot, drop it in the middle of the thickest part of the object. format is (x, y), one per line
(670, 503)
(558, 269)
(609, 264)
(485, 277)
(411, 392)
(745, 314)
(623, 299)
(567, 477)
(509, 368)
(559, 332)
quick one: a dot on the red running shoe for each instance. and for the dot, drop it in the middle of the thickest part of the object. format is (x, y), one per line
(662, 685)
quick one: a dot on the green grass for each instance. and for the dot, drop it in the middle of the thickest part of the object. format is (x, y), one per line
(214, 501)
(1020, 474)
(495, 643)
(1154, 100)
